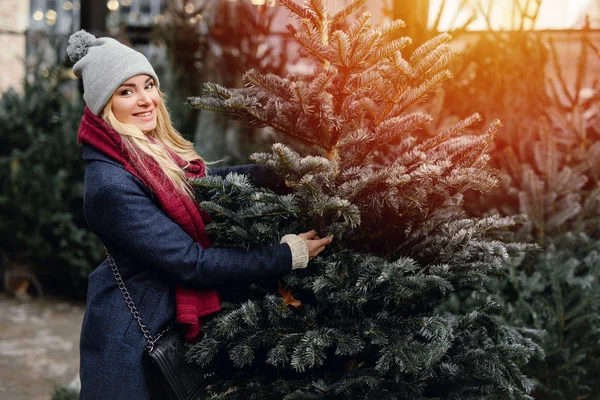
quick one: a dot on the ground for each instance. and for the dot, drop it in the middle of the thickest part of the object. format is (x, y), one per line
(39, 346)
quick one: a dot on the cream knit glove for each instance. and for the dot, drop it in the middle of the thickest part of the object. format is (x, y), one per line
(299, 250)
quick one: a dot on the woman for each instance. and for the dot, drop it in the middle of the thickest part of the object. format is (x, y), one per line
(138, 203)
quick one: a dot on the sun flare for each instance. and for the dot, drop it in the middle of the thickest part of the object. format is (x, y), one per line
(553, 14)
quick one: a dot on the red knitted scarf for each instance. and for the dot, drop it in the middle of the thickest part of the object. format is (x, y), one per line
(191, 304)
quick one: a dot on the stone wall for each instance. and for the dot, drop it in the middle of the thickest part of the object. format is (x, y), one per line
(14, 18)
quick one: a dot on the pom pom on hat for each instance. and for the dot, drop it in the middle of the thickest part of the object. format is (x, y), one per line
(79, 44)
(104, 64)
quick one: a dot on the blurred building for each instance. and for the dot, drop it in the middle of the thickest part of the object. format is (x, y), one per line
(504, 14)
(592, 12)
(13, 23)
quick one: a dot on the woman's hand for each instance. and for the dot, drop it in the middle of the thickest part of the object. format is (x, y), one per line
(314, 243)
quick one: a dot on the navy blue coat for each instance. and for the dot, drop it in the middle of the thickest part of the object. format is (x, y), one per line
(153, 253)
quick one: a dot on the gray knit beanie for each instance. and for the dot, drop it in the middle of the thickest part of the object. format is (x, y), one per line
(104, 64)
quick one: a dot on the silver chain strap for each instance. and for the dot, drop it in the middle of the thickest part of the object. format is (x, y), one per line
(129, 301)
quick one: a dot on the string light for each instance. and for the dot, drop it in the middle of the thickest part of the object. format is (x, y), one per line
(125, 3)
(159, 19)
(51, 15)
(258, 2)
(113, 5)
(189, 8)
(68, 6)
(76, 6)
(38, 15)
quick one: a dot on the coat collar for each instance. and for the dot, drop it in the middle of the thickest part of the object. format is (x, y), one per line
(90, 153)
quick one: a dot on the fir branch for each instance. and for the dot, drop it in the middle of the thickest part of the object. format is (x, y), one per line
(370, 106)
(346, 11)
(441, 137)
(313, 46)
(359, 84)
(442, 52)
(388, 50)
(300, 98)
(429, 46)
(441, 63)
(364, 46)
(269, 83)
(319, 7)
(321, 83)
(395, 128)
(301, 12)
(340, 48)
(391, 28)
(215, 90)
(361, 25)
(402, 65)
(415, 94)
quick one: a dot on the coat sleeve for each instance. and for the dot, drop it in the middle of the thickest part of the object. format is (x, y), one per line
(260, 174)
(122, 214)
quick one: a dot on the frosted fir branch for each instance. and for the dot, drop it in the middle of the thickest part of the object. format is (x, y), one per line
(364, 47)
(369, 106)
(300, 97)
(237, 107)
(321, 83)
(207, 182)
(215, 90)
(547, 158)
(359, 85)
(367, 181)
(310, 352)
(441, 64)
(443, 53)
(566, 181)
(339, 49)
(567, 208)
(270, 83)
(449, 132)
(315, 165)
(457, 146)
(388, 50)
(470, 179)
(414, 95)
(340, 209)
(429, 46)
(391, 28)
(395, 128)
(361, 25)
(301, 12)
(215, 209)
(358, 138)
(402, 66)
(468, 155)
(283, 160)
(308, 40)
(347, 11)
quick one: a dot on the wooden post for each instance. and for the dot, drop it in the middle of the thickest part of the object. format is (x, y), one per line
(415, 13)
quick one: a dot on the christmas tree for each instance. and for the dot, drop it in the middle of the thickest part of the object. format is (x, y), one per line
(361, 321)
(550, 171)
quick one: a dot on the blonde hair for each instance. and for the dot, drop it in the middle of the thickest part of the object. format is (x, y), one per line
(140, 147)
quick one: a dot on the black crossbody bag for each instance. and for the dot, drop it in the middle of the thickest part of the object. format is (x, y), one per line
(168, 375)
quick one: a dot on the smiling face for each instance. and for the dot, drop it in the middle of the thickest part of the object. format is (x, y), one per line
(136, 101)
